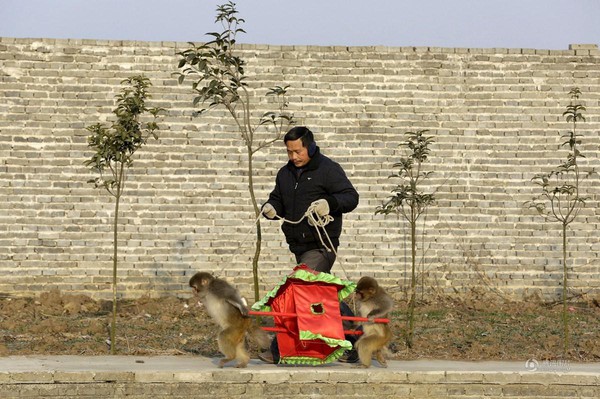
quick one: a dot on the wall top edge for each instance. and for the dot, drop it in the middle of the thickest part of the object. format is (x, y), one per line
(579, 49)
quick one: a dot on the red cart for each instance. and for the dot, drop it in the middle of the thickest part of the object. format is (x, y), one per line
(306, 311)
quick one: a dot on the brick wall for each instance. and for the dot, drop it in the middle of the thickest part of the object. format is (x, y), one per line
(495, 115)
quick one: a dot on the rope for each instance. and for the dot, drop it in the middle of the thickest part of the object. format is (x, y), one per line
(318, 221)
(246, 236)
(314, 219)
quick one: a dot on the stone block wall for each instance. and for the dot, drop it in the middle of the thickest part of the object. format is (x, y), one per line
(197, 377)
(495, 115)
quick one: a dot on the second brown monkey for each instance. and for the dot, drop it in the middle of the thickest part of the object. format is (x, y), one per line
(373, 302)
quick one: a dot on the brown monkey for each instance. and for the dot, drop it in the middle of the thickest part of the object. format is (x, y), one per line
(228, 309)
(373, 302)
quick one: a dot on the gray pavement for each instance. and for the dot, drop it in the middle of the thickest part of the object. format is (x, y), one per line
(186, 364)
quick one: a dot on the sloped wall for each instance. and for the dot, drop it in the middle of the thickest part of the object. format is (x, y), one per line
(495, 115)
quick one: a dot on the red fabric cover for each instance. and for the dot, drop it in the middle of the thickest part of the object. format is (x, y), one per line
(318, 311)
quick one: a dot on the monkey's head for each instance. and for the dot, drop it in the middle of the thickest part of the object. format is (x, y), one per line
(366, 288)
(200, 281)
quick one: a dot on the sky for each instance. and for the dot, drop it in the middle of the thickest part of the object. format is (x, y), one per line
(538, 24)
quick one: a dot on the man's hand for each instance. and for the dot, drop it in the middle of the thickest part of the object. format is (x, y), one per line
(321, 207)
(269, 211)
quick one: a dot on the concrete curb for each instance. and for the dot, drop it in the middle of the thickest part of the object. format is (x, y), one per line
(192, 376)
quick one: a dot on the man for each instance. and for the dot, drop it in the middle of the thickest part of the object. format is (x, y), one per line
(310, 179)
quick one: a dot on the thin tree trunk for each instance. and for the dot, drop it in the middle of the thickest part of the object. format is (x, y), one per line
(564, 293)
(113, 326)
(413, 280)
(256, 256)
(114, 282)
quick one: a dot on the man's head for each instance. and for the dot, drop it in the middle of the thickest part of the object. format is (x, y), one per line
(300, 144)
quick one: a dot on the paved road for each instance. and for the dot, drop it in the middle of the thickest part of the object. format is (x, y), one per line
(18, 364)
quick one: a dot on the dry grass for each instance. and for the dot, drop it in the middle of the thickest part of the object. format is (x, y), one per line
(459, 328)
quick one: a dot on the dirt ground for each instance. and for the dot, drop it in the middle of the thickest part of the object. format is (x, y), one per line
(471, 328)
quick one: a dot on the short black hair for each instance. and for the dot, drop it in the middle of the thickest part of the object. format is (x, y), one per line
(300, 132)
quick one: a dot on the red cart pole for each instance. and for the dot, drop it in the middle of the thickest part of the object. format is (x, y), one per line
(283, 314)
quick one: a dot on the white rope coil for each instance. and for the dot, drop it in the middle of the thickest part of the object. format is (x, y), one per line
(317, 221)
(314, 219)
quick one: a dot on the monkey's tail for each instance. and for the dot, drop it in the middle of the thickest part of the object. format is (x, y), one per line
(259, 336)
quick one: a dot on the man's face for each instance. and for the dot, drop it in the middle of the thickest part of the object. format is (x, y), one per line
(297, 153)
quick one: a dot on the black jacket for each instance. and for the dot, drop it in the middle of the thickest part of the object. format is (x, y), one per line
(294, 191)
